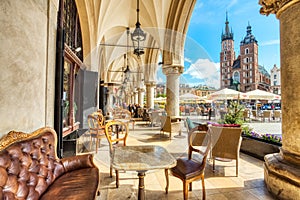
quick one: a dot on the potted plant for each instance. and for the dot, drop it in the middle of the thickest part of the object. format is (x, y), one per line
(253, 143)
(258, 144)
(234, 114)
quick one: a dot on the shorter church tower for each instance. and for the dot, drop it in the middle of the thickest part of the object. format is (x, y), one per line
(227, 55)
(249, 62)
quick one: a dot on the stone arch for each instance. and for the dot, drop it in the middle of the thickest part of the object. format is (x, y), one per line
(176, 28)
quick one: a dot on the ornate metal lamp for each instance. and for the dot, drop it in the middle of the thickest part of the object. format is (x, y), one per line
(138, 36)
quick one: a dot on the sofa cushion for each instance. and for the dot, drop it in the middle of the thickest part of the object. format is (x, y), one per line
(77, 162)
(226, 125)
(190, 124)
(77, 184)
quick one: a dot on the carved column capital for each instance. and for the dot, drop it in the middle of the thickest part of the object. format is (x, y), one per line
(141, 90)
(150, 84)
(275, 6)
(173, 69)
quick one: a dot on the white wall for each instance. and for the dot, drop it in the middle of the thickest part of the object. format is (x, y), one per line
(27, 56)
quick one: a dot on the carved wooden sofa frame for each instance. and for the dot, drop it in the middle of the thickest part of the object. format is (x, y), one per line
(30, 169)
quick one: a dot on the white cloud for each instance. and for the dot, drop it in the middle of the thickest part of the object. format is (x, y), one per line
(270, 42)
(198, 6)
(159, 80)
(204, 69)
(187, 60)
(232, 3)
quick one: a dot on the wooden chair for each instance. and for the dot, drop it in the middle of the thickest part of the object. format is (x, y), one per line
(226, 143)
(168, 126)
(116, 132)
(192, 168)
(155, 118)
(126, 115)
(267, 114)
(99, 117)
(277, 114)
(246, 115)
(96, 128)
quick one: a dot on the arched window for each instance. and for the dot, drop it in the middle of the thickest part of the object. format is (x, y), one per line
(246, 51)
(236, 76)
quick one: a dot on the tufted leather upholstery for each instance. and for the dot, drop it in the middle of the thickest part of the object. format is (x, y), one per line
(29, 167)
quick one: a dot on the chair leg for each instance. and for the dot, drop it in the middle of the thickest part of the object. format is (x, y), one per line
(110, 171)
(167, 180)
(191, 187)
(96, 145)
(213, 164)
(91, 142)
(203, 187)
(117, 179)
(237, 167)
(185, 190)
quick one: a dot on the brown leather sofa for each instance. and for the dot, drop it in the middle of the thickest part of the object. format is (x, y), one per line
(30, 169)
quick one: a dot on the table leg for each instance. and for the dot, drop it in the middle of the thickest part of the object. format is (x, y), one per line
(179, 135)
(141, 192)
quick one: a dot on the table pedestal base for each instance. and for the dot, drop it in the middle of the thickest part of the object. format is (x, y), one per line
(141, 192)
(179, 135)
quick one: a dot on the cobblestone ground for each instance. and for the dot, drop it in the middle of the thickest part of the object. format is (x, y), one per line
(272, 127)
(267, 127)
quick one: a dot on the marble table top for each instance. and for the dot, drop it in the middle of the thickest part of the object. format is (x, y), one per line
(142, 158)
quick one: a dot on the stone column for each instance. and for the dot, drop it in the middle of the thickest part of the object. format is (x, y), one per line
(172, 103)
(141, 93)
(127, 98)
(136, 97)
(282, 174)
(110, 102)
(150, 94)
(132, 98)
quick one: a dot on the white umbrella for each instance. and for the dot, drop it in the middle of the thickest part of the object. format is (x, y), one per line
(189, 96)
(226, 94)
(262, 95)
(160, 100)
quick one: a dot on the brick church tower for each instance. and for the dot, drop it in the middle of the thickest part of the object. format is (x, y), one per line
(242, 73)
(227, 55)
(249, 78)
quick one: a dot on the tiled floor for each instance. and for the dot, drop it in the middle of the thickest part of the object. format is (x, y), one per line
(221, 184)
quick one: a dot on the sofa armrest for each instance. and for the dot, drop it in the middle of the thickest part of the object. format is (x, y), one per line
(78, 162)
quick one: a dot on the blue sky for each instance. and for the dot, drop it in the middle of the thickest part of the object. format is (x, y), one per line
(202, 48)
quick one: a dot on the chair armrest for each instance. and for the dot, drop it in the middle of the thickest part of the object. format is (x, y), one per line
(78, 162)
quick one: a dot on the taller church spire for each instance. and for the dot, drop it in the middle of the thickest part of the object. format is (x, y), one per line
(228, 33)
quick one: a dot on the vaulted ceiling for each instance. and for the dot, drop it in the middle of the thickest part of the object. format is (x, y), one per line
(105, 41)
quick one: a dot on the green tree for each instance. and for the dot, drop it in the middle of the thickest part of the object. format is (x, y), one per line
(234, 113)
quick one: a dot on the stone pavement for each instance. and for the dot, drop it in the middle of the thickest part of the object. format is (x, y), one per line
(221, 184)
(273, 127)
(266, 127)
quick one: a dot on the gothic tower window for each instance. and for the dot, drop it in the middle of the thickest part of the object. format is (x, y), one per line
(236, 76)
(246, 51)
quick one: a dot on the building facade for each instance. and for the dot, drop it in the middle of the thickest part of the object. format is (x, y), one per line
(242, 73)
(275, 80)
(204, 91)
(185, 88)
